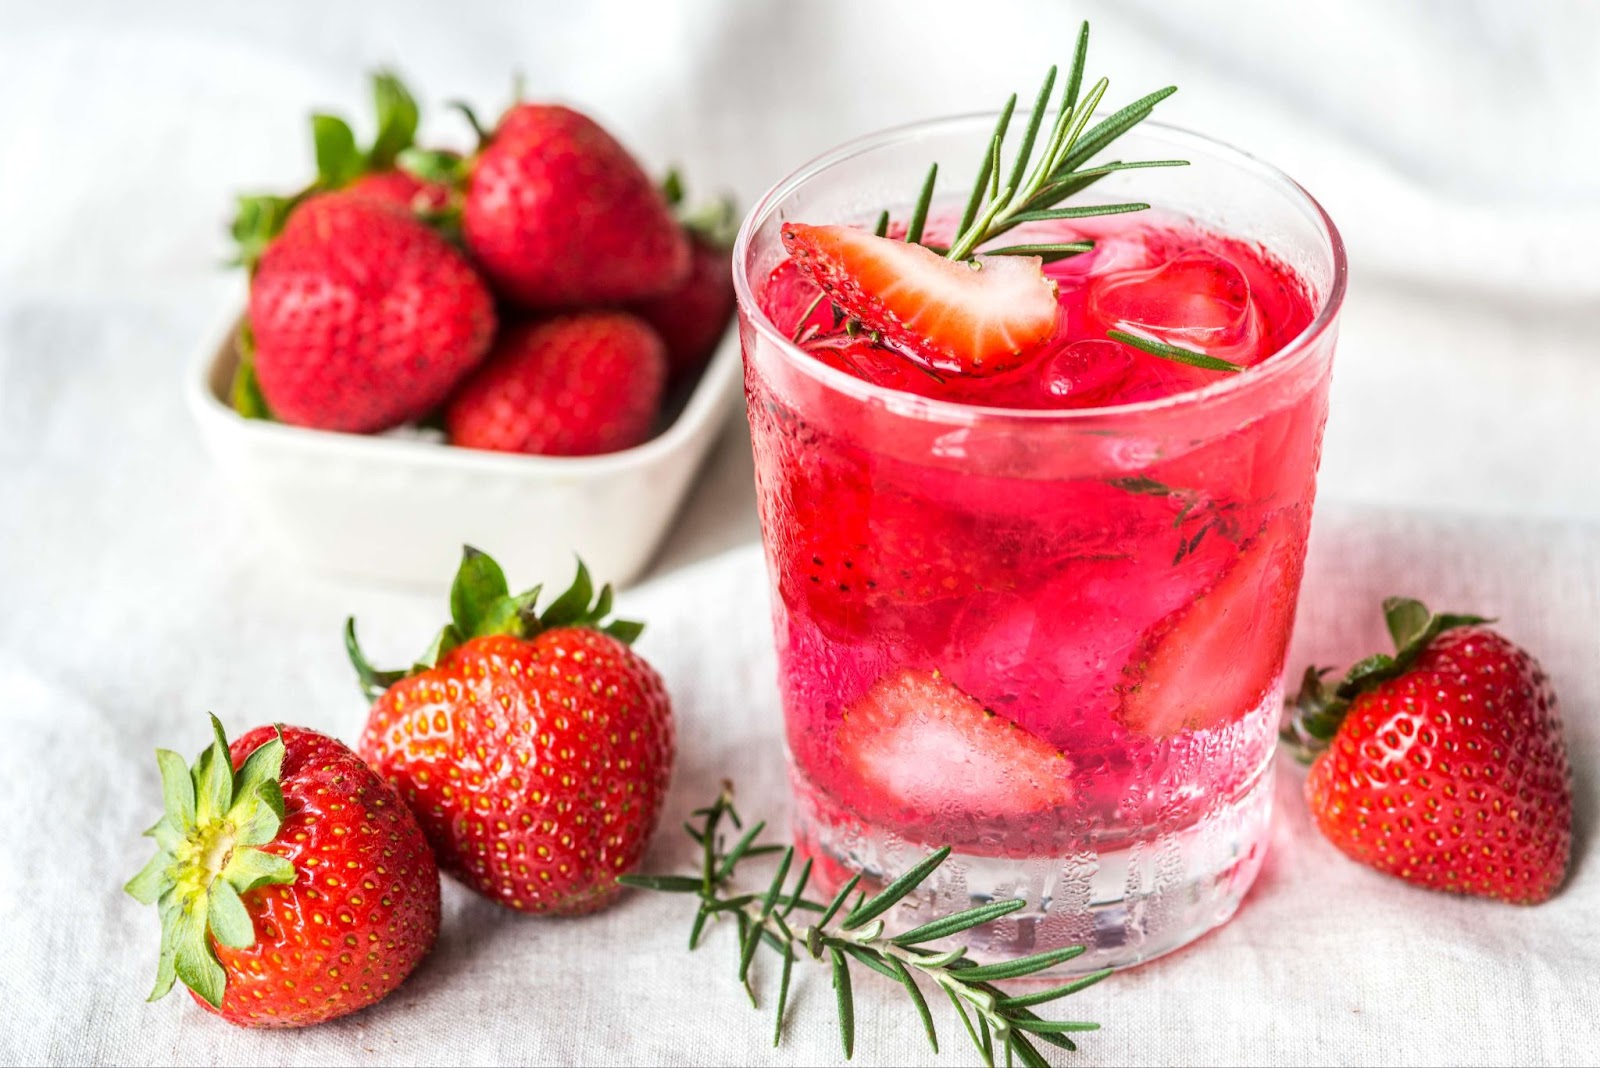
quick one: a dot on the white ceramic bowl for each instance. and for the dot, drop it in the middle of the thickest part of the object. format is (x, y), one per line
(389, 508)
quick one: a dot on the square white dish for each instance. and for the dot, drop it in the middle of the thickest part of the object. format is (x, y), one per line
(399, 510)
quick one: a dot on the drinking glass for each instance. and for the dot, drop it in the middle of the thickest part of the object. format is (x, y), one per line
(1063, 571)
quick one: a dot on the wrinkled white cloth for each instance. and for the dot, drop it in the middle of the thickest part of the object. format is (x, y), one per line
(1452, 143)
(1326, 963)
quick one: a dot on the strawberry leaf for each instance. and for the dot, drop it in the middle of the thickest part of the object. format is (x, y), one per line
(249, 868)
(433, 165)
(177, 786)
(260, 768)
(372, 681)
(194, 960)
(572, 604)
(166, 970)
(397, 120)
(1406, 618)
(447, 639)
(339, 161)
(213, 778)
(227, 917)
(476, 594)
(259, 219)
(483, 133)
(672, 188)
(167, 835)
(145, 888)
(245, 390)
(626, 631)
(256, 821)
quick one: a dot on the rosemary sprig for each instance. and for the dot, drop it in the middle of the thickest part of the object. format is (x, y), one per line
(1032, 195)
(842, 932)
(1177, 353)
(1034, 186)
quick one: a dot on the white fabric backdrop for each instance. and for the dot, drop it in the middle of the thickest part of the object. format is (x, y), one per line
(1454, 144)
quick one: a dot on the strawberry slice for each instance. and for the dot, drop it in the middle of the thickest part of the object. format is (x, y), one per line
(914, 747)
(1211, 661)
(978, 318)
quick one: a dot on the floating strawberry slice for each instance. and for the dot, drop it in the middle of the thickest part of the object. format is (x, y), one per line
(1213, 660)
(914, 746)
(977, 318)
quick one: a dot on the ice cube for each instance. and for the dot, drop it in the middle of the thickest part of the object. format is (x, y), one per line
(1087, 373)
(1198, 298)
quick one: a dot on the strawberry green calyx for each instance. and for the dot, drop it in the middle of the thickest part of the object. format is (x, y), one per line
(1319, 710)
(482, 604)
(260, 218)
(339, 161)
(245, 390)
(435, 165)
(208, 856)
(442, 165)
(398, 116)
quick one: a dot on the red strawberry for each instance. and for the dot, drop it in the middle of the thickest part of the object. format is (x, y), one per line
(295, 886)
(693, 317)
(559, 214)
(1214, 659)
(576, 385)
(534, 748)
(1444, 763)
(362, 317)
(403, 190)
(976, 318)
(914, 744)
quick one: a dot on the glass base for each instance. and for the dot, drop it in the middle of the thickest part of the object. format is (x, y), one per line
(1127, 905)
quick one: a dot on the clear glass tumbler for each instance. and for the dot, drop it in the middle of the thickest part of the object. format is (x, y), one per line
(1119, 583)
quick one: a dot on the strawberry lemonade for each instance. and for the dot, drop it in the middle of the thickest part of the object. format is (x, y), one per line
(1035, 478)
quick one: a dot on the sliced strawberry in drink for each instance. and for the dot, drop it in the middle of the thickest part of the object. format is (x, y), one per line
(914, 749)
(1213, 660)
(977, 318)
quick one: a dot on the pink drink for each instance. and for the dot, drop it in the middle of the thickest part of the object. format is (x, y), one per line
(1042, 616)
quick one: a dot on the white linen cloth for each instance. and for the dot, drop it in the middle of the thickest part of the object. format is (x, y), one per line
(1452, 142)
(1326, 962)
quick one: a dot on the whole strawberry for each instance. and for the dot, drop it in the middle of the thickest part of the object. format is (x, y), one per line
(362, 318)
(1444, 763)
(558, 214)
(294, 884)
(403, 190)
(575, 385)
(535, 748)
(693, 316)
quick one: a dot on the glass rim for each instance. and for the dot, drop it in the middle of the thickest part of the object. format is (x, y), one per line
(1296, 352)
